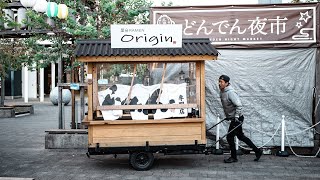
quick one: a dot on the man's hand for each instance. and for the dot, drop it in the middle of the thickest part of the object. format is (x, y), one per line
(236, 119)
(229, 119)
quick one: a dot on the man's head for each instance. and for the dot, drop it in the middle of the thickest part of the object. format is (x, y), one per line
(223, 82)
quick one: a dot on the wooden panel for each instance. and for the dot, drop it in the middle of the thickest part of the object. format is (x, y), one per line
(133, 134)
(202, 89)
(173, 122)
(90, 112)
(147, 106)
(145, 58)
(90, 137)
(94, 87)
(147, 130)
(150, 139)
(198, 81)
(203, 95)
(99, 114)
(151, 143)
(161, 121)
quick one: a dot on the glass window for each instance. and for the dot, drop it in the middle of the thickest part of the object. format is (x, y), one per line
(166, 84)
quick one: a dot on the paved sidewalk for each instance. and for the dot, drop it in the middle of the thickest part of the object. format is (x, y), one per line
(22, 154)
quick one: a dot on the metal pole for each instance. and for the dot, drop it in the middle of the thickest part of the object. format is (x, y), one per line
(218, 133)
(282, 152)
(26, 83)
(237, 143)
(73, 118)
(218, 151)
(76, 113)
(73, 98)
(63, 117)
(60, 92)
(53, 75)
(239, 152)
(282, 133)
(81, 93)
(2, 91)
(12, 84)
(41, 85)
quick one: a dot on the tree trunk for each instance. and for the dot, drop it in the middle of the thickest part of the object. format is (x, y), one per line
(99, 18)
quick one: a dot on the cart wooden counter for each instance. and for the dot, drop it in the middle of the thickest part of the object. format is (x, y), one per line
(142, 101)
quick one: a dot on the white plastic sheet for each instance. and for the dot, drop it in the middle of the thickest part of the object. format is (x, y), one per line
(271, 83)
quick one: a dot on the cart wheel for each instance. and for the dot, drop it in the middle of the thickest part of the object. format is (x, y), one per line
(141, 161)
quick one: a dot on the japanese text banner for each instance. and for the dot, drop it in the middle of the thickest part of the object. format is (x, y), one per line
(278, 25)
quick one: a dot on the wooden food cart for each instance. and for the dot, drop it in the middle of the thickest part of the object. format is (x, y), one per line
(145, 101)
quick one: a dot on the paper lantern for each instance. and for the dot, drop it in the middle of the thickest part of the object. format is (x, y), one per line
(28, 3)
(52, 9)
(21, 16)
(62, 11)
(41, 6)
(9, 14)
(50, 22)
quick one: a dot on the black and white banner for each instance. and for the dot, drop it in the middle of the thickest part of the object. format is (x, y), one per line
(144, 95)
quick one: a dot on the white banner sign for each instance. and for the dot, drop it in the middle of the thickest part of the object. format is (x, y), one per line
(143, 95)
(146, 36)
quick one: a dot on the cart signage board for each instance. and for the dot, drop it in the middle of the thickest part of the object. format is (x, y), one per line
(74, 86)
(262, 25)
(146, 36)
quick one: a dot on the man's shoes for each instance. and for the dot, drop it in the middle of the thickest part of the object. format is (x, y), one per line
(230, 160)
(258, 155)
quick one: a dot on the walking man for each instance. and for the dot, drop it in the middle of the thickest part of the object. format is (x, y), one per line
(232, 108)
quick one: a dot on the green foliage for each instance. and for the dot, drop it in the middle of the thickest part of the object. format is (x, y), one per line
(87, 19)
(118, 69)
(2, 15)
(12, 55)
(120, 12)
(141, 71)
(46, 49)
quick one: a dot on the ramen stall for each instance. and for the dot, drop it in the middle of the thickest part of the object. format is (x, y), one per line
(145, 101)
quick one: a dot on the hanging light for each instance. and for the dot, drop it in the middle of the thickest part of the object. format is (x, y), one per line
(181, 74)
(9, 14)
(62, 11)
(28, 3)
(21, 16)
(116, 77)
(50, 22)
(52, 9)
(147, 77)
(41, 6)
(187, 80)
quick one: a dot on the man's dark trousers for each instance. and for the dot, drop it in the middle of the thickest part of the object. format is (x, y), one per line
(240, 135)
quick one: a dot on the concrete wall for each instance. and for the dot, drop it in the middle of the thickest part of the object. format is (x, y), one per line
(66, 139)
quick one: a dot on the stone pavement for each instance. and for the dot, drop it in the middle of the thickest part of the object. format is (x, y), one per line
(22, 155)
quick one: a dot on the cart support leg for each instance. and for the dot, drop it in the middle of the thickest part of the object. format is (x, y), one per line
(147, 146)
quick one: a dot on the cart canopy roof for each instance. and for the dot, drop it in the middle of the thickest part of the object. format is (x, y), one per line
(102, 48)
